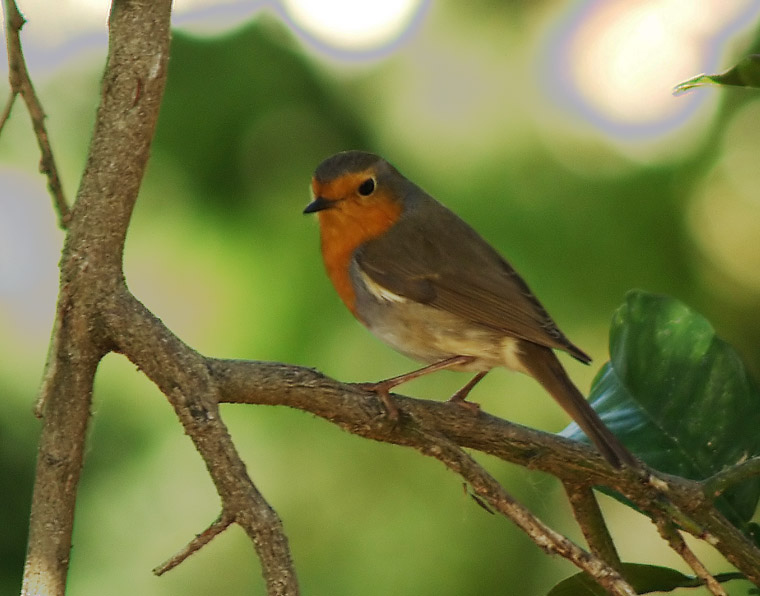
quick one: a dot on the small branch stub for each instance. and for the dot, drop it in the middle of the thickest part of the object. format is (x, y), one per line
(220, 525)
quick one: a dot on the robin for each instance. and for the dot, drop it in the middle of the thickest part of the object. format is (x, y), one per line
(426, 283)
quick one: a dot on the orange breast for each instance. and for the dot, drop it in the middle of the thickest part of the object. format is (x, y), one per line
(343, 229)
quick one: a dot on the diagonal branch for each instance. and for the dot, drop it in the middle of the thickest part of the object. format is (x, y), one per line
(21, 84)
(715, 485)
(7, 109)
(183, 377)
(359, 412)
(220, 525)
(591, 521)
(546, 538)
(673, 537)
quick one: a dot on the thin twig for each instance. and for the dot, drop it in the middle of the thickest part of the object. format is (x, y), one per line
(220, 525)
(591, 521)
(673, 537)
(21, 84)
(718, 483)
(7, 110)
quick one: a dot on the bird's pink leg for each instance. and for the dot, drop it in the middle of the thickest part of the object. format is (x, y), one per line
(460, 397)
(383, 388)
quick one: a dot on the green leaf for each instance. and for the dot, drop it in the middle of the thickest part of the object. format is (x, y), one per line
(745, 74)
(678, 396)
(643, 579)
(753, 532)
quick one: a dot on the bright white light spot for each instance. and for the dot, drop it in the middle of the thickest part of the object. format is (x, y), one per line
(624, 58)
(352, 25)
(617, 61)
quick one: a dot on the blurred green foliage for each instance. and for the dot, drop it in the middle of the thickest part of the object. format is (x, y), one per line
(238, 127)
(220, 251)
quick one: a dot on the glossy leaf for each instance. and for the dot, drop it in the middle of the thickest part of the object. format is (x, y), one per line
(745, 74)
(679, 396)
(643, 578)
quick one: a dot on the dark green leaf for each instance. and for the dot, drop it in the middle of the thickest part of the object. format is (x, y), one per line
(678, 396)
(643, 579)
(744, 74)
(753, 532)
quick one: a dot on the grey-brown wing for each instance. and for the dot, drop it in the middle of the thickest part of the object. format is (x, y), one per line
(434, 257)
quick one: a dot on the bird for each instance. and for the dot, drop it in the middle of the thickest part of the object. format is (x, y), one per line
(425, 282)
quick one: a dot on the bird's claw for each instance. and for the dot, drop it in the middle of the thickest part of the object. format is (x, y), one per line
(382, 391)
(461, 401)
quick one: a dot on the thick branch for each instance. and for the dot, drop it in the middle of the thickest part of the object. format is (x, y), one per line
(90, 270)
(360, 413)
(191, 382)
(183, 377)
(59, 460)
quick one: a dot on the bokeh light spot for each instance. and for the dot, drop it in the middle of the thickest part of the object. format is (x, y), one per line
(615, 62)
(725, 213)
(353, 28)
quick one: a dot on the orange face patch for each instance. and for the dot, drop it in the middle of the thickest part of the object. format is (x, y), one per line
(351, 221)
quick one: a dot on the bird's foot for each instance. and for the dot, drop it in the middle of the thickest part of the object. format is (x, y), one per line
(460, 397)
(461, 400)
(382, 389)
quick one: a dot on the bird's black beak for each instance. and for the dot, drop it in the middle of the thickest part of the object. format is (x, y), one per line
(318, 204)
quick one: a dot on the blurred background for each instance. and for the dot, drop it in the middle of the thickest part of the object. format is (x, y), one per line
(549, 125)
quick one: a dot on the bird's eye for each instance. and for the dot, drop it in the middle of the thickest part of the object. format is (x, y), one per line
(367, 187)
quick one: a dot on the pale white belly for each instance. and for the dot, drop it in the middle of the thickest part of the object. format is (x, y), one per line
(428, 334)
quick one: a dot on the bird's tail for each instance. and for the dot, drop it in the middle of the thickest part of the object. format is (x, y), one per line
(542, 364)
